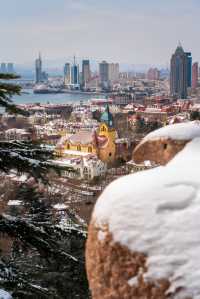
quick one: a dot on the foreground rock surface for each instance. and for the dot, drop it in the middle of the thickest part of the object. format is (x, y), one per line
(144, 236)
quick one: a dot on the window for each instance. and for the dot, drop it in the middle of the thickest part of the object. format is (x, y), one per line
(89, 149)
(110, 154)
(68, 146)
(78, 148)
(103, 129)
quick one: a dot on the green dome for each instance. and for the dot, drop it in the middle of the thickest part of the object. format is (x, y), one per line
(107, 117)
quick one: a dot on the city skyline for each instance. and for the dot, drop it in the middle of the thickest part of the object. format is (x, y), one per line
(127, 32)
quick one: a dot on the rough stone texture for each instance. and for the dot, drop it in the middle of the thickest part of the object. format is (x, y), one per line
(159, 151)
(110, 266)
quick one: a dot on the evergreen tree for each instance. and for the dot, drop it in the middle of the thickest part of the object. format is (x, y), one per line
(47, 261)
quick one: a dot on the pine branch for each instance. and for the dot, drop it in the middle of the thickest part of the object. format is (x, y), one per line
(34, 236)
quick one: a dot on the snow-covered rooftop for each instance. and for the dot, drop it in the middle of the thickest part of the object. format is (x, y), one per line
(156, 212)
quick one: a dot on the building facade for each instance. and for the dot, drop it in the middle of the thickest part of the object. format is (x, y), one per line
(113, 72)
(86, 73)
(104, 74)
(99, 143)
(195, 75)
(75, 73)
(153, 74)
(10, 68)
(38, 70)
(3, 68)
(180, 73)
(67, 74)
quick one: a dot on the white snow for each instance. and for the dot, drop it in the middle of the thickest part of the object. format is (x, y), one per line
(60, 207)
(4, 295)
(14, 203)
(181, 131)
(157, 212)
(101, 235)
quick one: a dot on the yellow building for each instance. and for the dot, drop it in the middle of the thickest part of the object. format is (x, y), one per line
(100, 143)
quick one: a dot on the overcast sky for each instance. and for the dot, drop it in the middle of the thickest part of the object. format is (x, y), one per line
(127, 31)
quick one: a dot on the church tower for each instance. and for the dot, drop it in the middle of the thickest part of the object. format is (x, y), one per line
(107, 132)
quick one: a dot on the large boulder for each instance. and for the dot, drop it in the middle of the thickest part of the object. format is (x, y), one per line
(162, 145)
(144, 237)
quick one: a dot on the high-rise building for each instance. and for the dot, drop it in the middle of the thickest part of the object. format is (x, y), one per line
(3, 68)
(109, 73)
(189, 69)
(67, 74)
(38, 69)
(195, 75)
(104, 74)
(75, 73)
(113, 72)
(180, 73)
(10, 68)
(86, 73)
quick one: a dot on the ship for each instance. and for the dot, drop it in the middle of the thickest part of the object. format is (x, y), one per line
(44, 89)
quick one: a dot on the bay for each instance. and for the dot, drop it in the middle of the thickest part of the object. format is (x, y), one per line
(28, 97)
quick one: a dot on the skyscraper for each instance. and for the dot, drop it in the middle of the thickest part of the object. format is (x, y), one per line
(38, 70)
(113, 72)
(104, 74)
(67, 74)
(180, 73)
(86, 74)
(3, 68)
(10, 68)
(195, 75)
(75, 73)
(109, 73)
(189, 69)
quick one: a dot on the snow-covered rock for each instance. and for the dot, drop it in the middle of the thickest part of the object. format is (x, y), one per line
(152, 218)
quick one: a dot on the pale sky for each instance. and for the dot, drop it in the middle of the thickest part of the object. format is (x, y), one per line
(126, 31)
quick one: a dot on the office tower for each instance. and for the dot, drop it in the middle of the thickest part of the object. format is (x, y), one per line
(153, 74)
(189, 69)
(195, 75)
(113, 72)
(180, 73)
(104, 74)
(38, 70)
(10, 68)
(67, 74)
(75, 73)
(108, 73)
(86, 74)
(3, 68)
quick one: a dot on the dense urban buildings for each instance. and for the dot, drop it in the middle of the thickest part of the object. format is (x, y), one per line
(180, 75)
